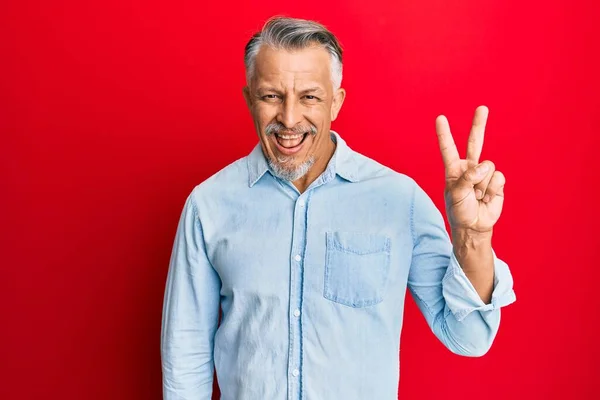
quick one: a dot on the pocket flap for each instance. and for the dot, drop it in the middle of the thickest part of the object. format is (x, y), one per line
(358, 242)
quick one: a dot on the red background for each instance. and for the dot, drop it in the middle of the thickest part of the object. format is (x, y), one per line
(112, 111)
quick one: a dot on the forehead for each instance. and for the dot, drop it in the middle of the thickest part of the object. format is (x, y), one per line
(279, 67)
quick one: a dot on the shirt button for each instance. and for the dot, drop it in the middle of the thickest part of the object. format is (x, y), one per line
(297, 258)
(296, 313)
(301, 203)
(295, 372)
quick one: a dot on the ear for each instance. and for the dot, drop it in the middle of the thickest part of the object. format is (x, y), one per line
(338, 100)
(247, 97)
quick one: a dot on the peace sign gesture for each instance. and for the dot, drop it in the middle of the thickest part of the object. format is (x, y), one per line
(474, 191)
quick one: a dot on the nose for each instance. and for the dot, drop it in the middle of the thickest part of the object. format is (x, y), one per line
(290, 113)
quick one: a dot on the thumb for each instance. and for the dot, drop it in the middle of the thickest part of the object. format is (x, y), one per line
(474, 175)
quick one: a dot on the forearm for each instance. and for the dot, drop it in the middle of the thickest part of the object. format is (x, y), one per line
(473, 250)
(190, 314)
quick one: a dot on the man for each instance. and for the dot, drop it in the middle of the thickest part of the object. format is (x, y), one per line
(307, 247)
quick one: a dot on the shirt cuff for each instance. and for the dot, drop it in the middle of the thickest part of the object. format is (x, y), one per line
(462, 298)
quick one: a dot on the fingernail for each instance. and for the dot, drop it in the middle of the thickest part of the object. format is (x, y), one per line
(483, 169)
(478, 194)
(486, 198)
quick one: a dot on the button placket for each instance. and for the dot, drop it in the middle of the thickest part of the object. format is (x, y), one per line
(296, 287)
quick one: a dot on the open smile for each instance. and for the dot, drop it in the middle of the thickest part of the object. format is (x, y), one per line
(289, 144)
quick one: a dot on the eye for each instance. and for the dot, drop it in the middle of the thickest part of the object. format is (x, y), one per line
(270, 97)
(310, 97)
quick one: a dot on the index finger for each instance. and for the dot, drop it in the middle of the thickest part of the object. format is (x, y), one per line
(447, 147)
(475, 144)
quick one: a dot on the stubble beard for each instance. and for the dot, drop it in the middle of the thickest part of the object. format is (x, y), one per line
(284, 167)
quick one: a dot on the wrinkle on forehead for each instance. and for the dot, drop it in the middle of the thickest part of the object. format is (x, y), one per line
(293, 71)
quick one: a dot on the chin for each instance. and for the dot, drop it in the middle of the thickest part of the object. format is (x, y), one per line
(295, 171)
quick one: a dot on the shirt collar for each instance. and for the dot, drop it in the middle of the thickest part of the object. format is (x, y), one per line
(342, 163)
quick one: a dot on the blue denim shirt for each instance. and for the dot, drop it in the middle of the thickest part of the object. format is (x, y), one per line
(312, 286)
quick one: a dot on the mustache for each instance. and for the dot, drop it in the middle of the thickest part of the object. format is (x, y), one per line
(277, 127)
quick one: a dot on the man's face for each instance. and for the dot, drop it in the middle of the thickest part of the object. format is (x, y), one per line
(292, 101)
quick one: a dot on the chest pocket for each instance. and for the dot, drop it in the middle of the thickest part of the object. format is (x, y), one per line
(356, 268)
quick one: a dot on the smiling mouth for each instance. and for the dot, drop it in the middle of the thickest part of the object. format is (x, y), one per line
(290, 141)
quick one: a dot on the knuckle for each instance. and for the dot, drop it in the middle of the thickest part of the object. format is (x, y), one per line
(470, 174)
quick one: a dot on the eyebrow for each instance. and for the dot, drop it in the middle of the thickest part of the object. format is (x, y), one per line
(267, 89)
(312, 89)
(274, 90)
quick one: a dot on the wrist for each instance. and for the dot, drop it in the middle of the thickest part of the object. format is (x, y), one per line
(471, 234)
(467, 242)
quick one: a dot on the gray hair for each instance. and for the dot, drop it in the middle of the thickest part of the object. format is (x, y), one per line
(295, 34)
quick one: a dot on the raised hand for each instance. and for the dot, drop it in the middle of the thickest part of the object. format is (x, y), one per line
(474, 191)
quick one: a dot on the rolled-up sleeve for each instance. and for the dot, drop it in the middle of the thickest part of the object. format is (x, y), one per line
(462, 298)
(447, 299)
(190, 314)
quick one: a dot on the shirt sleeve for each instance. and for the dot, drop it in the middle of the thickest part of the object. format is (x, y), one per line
(462, 298)
(190, 314)
(447, 299)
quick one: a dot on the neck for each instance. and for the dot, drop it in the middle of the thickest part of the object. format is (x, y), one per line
(317, 169)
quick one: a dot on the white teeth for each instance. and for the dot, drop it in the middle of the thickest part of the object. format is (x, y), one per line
(289, 137)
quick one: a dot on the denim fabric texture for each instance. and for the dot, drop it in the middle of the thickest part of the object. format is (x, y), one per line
(294, 295)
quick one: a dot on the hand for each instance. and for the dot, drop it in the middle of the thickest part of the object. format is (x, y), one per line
(474, 191)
